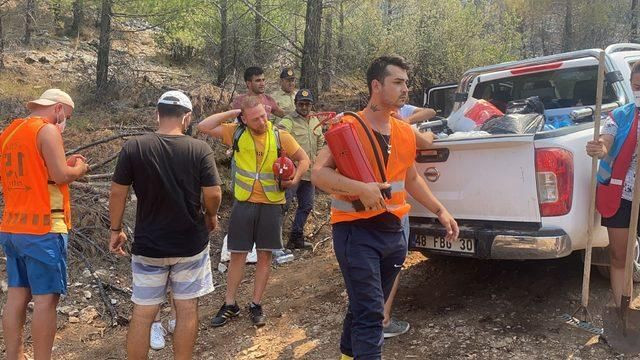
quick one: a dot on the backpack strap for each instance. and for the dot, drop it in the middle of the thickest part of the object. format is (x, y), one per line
(236, 136)
(276, 133)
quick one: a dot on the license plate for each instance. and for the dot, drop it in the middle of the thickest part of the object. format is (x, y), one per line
(461, 245)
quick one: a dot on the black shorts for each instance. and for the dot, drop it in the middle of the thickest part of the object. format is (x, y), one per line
(253, 223)
(622, 217)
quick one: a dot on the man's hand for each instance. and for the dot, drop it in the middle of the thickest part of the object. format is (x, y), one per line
(371, 197)
(71, 160)
(211, 221)
(286, 184)
(80, 163)
(596, 149)
(116, 244)
(450, 224)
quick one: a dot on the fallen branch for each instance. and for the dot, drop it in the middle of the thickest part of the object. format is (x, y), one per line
(104, 162)
(119, 289)
(102, 141)
(116, 319)
(315, 246)
(99, 176)
(317, 231)
(131, 127)
(90, 188)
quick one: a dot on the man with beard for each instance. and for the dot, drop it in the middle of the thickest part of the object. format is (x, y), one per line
(370, 245)
(308, 134)
(256, 85)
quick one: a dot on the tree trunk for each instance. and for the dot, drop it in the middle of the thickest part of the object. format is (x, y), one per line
(634, 21)
(30, 11)
(328, 56)
(311, 50)
(78, 17)
(387, 13)
(58, 23)
(102, 70)
(257, 39)
(567, 38)
(1, 39)
(340, 56)
(224, 43)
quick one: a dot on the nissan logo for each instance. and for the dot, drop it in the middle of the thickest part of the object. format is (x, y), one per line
(432, 174)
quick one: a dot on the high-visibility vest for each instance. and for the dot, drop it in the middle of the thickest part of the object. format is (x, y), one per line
(25, 177)
(403, 153)
(248, 171)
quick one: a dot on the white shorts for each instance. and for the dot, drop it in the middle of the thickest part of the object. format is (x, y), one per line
(188, 277)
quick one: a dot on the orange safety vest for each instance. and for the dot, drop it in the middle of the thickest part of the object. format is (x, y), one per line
(403, 153)
(25, 177)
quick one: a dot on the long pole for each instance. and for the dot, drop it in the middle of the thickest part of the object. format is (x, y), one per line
(586, 277)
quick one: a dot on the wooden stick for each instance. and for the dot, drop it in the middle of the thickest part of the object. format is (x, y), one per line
(586, 276)
(104, 162)
(102, 141)
(115, 318)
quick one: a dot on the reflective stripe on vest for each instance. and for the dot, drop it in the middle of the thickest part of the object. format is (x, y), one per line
(248, 171)
(347, 206)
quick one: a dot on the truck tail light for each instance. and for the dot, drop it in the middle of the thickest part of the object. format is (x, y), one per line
(554, 175)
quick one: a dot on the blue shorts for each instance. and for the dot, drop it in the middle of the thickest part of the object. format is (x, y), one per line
(38, 262)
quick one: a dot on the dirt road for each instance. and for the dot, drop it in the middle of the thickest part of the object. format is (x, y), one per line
(458, 309)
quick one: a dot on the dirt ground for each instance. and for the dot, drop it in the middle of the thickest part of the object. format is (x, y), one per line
(458, 309)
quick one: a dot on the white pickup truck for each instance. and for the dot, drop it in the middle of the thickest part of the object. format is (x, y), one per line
(520, 196)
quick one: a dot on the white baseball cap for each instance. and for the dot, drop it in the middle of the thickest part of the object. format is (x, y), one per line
(175, 97)
(52, 97)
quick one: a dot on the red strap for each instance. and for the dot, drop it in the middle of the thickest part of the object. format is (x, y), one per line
(608, 197)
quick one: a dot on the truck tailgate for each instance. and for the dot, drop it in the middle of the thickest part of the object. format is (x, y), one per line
(490, 178)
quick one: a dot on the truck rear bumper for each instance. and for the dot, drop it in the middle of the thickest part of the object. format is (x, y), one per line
(500, 243)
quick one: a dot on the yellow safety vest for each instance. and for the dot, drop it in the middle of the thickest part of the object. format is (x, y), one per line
(248, 171)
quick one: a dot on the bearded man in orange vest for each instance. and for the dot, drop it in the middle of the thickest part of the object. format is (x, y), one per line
(36, 219)
(369, 244)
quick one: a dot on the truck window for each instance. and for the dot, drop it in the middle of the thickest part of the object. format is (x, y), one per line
(557, 89)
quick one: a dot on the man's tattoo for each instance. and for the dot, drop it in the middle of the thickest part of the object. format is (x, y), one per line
(374, 107)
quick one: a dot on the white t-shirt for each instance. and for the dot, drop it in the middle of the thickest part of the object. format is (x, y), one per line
(406, 111)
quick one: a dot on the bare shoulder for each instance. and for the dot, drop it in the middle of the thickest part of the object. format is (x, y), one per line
(49, 133)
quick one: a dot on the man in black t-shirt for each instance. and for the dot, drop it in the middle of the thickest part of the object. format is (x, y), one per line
(170, 173)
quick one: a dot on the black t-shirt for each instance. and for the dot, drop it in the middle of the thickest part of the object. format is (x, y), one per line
(167, 173)
(385, 221)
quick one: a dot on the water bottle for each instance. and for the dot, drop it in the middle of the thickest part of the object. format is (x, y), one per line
(285, 258)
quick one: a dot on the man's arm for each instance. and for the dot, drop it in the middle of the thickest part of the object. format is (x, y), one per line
(420, 114)
(211, 125)
(424, 140)
(325, 177)
(117, 201)
(212, 196)
(52, 150)
(419, 190)
(276, 110)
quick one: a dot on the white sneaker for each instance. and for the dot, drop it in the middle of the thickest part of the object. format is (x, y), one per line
(157, 336)
(172, 326)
